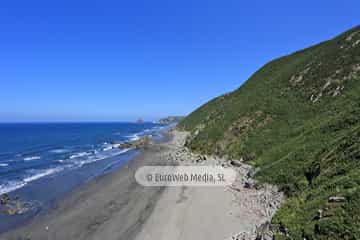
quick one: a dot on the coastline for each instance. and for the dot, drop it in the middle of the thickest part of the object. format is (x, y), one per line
(114, 206)
(115, 196)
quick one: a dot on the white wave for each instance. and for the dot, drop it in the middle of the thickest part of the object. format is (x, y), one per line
(34, 175)
(107, 148)
(61, 150)
(32, 158)
(134, 137)
(125, 150)
(112, 146)
(11, 186)
(80, 154)
(91, 160)
(4, 164)
(137, 136)
(42, 173)
(101, 157)
(116, 145)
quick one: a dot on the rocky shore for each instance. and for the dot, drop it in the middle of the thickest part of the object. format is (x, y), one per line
(252, 203)
(138, 143)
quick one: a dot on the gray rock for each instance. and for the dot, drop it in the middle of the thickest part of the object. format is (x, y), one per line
(248, 185)
(236, 163)
(337, 199)
(263, 232)
(319, 214)
(251, 173)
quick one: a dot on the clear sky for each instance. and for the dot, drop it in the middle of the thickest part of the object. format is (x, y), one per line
(102, 60)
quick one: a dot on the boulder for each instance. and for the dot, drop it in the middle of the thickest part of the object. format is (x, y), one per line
(336, 199)
(319, 215)
(251, 173)
(248, 185)
(236, 163)
(283, 230)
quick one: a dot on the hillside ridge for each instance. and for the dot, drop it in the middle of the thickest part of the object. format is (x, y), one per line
(298, 120)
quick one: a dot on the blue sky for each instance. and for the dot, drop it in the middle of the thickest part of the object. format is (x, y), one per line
(119, 60)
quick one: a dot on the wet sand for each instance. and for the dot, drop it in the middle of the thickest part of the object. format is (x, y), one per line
(113, 206)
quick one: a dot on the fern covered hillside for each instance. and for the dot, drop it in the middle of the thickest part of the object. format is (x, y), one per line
(298, 120)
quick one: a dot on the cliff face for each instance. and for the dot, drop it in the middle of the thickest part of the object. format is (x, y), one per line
(298, 120)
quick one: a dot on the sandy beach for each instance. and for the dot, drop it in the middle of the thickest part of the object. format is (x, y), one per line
(115, 206)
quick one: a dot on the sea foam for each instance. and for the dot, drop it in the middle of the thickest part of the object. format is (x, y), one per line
(59, 151)
(42, 173)
(11, 186)
(80, 154)
(32, 158)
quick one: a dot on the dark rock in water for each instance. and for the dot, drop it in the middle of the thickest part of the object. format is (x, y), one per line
(336, 199)
(236, 163)
(4, 199)
(16, 207)
(13, 206)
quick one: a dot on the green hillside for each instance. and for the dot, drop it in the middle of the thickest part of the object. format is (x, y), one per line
(298, 120)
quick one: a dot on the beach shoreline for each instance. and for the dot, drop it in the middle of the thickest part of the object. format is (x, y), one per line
(115, 206)
(79, 212)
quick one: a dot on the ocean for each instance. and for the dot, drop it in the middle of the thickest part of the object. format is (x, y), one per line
(40, 162)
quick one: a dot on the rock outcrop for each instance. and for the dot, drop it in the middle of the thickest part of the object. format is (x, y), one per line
(13, 206)
(139, 143)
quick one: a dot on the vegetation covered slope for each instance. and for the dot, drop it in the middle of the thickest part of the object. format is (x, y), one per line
(298, 120)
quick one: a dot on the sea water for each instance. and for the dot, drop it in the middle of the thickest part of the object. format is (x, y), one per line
(39, 162)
